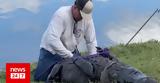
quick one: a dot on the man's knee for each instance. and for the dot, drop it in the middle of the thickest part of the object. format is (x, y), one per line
(46, 62)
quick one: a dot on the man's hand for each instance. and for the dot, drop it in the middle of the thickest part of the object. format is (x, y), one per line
(74, 57)
(106, 53)
(70, 55)
(103, 52)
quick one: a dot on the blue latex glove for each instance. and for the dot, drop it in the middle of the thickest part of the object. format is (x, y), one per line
(103, 52)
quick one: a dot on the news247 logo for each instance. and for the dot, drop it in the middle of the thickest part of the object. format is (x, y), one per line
(17, 73)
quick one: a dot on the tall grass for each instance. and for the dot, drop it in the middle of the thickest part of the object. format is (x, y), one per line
(143, 56)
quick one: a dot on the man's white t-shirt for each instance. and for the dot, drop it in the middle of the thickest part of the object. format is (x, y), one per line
(59, 37)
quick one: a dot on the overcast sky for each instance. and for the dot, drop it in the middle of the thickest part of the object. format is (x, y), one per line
(22, 23)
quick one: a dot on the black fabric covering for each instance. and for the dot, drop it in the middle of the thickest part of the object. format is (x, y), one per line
(70, 71)
(121, 73)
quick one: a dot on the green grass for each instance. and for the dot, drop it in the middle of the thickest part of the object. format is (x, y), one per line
(143, 56)
(2, 77)
(2, 80)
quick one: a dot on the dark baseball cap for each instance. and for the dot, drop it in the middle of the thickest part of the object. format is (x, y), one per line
(85, 6)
